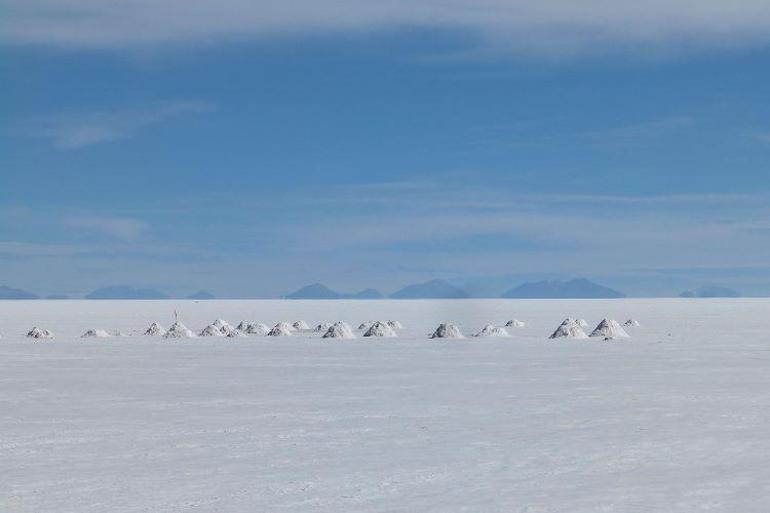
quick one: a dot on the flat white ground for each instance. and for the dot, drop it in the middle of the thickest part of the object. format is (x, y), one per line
(676, 419)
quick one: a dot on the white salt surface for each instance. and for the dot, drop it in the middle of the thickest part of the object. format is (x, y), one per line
(676, 419)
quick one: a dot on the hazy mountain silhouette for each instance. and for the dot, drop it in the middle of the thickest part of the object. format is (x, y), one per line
(434, 289)
(579, 288)
(321, 291)
(314, 291)
(11, 293)
(367, 294)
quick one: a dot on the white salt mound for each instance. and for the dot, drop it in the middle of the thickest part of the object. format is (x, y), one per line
(155, 330)
(285, 326)
(280, 331)
(609, 328)
(211, 331)
(223, 326)
(396, 325)
(492, 331)
(229, 331)
(569, 328)
(323, 327)
(582, 323)
(300, 325)
(380, 329)
(257, 329)
(243, 326)
(365, 325)
(339, 330)
(631, 323)
(447, 330)
(39, 333)
(234, 333)
(179, 330)
(95, 334)
(514, 323)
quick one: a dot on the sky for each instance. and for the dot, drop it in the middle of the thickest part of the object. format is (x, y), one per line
(250, 148)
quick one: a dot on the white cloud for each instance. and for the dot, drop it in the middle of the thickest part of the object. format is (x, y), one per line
(526, 26)
(115, 227)
(74, 131)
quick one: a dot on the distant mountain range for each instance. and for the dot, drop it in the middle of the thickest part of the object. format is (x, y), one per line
(579, 288)
(441, 289)
(434, 289)
(125, 292)
(711, 291)
(321, 291)
(11, 293)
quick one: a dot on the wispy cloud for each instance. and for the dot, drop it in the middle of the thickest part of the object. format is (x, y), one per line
(78, 130)
(556, 26)
(114, 227)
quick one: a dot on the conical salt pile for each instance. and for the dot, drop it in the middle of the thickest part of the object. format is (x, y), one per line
(380, 329)
(95, 334)
(631, 323)
(222, 326)
(179, 330)
(323, 327)
(396, 325)
(39, 333)
(339, 330)
(211, 331)
(243, 326)
(609, 329)
(569, 329)
(447, 331)
(280, 330)
(365, 325)
(155, 330)
(492, 331)
(234, 333)
(514, 323)
(300, 326)
(285, 326)
(257, 329)
(229, 331)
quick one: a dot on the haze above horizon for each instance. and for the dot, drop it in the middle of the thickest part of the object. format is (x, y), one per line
(256, 149)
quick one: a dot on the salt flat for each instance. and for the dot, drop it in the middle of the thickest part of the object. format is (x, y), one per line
(675, 419)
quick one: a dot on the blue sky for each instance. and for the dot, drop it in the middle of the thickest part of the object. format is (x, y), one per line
(252, 149)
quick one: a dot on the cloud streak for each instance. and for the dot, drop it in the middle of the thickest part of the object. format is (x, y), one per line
(75, 131)
(118, 228)
(560, 27)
